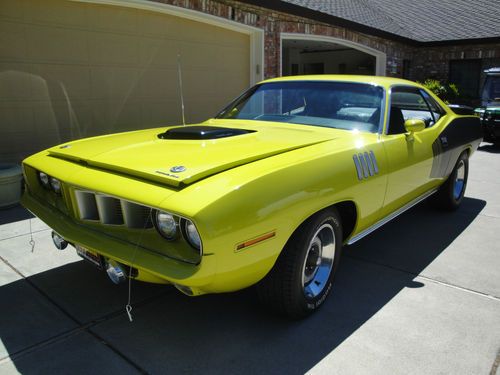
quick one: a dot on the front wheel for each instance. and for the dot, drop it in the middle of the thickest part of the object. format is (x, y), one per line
(451, 193)
(303, 275)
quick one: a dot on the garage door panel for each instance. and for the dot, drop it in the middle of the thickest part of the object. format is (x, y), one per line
(223, 38)
(158, 83)
(12, 11)
(65, 80)
(200, 82)
(177, 28)
(114, 83)
(146, 84)
(15, 117)
(127, 115)
(46, 115)
(230, 57)
(206, 34)
(16, 145)
(205, 108)
(42, 12)
(230, 92)
(114, 19)
(197, 55)
(72, 119)
(157, 112)
(80, 69)
(113, 49)
(43, 88)
(155, 25)
(114, 115)
(158, 52)
(15, 81)
(12, 41)
(54, 44)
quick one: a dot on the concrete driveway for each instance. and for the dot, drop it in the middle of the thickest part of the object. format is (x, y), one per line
(420, 296)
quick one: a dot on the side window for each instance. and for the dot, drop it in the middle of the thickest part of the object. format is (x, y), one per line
(436, 109)
(407, 103)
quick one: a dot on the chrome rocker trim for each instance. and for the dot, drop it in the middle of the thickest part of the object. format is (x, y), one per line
(388, 218)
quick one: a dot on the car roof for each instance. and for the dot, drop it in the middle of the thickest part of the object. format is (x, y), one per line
(374, 80)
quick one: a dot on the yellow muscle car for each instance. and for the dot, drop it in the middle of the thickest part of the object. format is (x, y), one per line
(265, 193)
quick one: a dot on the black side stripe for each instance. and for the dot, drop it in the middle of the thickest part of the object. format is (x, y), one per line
(448, 145)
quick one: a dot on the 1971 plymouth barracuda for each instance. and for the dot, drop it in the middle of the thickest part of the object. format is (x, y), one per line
(266, 193)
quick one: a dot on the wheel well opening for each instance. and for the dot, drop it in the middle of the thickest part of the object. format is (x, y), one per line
(348, 215)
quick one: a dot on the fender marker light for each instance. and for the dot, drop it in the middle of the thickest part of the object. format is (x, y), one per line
(254, 241)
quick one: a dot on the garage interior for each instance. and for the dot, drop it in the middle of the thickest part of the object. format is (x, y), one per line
(321, 57)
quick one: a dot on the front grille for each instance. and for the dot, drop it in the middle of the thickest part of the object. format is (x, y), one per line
(112, 211)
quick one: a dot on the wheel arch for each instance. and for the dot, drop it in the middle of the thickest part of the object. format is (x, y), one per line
(468, 149)
(348, 213)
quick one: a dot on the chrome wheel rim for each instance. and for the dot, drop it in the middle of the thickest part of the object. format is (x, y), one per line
(458, 185)
(318, 262)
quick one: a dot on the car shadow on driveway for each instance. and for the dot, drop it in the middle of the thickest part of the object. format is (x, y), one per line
(490, 147)
(13, 214)
(232, 333)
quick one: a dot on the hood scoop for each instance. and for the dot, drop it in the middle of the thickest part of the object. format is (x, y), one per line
(202, 132)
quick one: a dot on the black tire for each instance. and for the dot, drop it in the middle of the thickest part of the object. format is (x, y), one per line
(451, 193)
(298, 285)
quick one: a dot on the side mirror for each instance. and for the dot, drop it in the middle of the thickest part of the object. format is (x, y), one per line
(413, 125)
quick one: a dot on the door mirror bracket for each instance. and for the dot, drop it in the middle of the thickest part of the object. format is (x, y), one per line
(413, 126)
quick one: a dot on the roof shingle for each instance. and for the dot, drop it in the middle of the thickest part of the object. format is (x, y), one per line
(422, 20)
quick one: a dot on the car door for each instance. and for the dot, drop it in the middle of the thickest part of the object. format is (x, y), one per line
(409, 157)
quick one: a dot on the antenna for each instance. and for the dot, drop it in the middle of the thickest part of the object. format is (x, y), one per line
(179, 72)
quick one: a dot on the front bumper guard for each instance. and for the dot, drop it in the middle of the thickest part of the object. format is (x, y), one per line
(162, 267)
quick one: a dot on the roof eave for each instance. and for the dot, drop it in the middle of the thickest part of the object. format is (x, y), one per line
(450, 42)
(300, 11)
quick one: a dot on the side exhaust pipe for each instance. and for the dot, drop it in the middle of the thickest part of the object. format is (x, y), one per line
(59, 242)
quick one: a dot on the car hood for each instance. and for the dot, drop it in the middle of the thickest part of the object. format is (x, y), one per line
(180, 162)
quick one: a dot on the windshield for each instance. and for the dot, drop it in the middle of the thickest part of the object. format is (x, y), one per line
(341, 105)
(491, 91)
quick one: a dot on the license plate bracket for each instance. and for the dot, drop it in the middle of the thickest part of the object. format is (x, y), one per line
(96, 259)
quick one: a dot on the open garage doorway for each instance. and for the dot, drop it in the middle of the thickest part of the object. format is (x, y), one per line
(306, 54)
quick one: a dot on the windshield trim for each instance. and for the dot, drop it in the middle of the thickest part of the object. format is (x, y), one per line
(252, 89)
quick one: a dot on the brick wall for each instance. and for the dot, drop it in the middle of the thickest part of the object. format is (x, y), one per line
(425, 62)
(274, 23)
(434, 62)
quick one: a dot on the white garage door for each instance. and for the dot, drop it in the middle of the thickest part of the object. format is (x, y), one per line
(71, 69)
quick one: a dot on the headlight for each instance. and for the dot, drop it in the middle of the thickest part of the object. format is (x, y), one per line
(56, 185)
(44, 179)
(191, 234)
(166, 225)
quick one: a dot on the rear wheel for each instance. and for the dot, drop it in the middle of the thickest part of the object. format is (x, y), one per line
(451, 193)
(303, 275)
